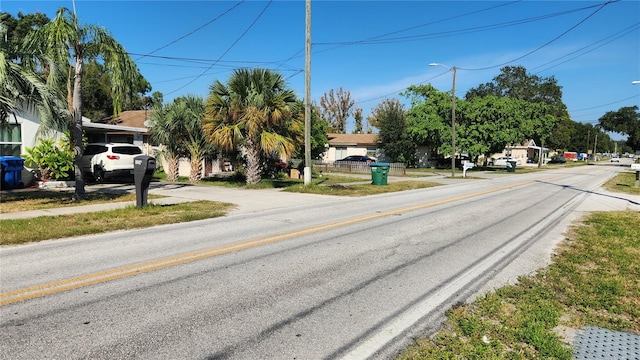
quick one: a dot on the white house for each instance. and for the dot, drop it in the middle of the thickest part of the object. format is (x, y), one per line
(22, 133)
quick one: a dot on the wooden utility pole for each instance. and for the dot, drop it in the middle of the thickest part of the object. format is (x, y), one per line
(307, 98)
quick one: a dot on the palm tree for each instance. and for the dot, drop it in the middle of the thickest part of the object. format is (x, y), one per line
(195, 141)
(164, 131)
(254, 114)
(67, 42)
(23, 89)
(177, 126)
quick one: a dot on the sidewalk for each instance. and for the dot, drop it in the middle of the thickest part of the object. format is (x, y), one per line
(251, 201)
(247, 201)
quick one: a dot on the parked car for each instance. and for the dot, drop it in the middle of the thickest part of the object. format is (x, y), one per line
(615, 159)
(359, 158)
(109, 160)
(502, 161)
(558, 160)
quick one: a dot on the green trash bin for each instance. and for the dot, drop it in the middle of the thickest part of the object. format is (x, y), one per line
(511, 166)
(379, 173)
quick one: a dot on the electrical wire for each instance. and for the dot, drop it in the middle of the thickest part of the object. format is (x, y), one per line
(548, 42)
(228, 49)
(192, 32)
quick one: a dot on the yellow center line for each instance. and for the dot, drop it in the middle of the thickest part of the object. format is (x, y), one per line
(32, 292)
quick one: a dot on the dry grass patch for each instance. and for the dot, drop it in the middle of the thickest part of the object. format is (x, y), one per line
(39, 199)
(54, 227)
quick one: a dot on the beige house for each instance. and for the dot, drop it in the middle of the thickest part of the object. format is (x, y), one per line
(343, 145)
(526, 152)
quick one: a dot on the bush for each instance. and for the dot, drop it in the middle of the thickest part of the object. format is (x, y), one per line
(55, 162)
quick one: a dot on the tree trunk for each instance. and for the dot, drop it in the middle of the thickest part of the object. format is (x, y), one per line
(196, 169)
(253, 163)
(172, 167)
(77, 131)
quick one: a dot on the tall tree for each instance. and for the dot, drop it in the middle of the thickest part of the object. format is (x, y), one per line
(357, 116)
(255, 113)
(18, 28)
(319, 139)
(24, 90)
(165, 132)
(514, 82)
(488, 124)
(624, 121)
(67, 41)
(429, 118)
(195, 141)
(336, 108)
(393, 138)
(177, 128)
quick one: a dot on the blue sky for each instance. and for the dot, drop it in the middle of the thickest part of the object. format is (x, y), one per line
(375, 49)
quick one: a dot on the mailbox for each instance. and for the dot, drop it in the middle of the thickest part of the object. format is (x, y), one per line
(466, 166)
(636, 167)
(143, 168)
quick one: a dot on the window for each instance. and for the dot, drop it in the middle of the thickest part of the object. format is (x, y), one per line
(10, 140)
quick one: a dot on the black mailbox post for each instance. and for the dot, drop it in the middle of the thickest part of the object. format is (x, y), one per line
(143, 168)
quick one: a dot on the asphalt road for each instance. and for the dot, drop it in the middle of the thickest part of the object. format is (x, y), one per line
(350, 278)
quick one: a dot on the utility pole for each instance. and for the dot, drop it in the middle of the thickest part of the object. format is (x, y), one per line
(307, 97)
(588, 138)
(453, 124)
(595, 144)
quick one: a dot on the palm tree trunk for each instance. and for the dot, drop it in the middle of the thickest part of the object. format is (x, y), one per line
(77, 131)
(196, 169)
(253, 163)
(172, 166)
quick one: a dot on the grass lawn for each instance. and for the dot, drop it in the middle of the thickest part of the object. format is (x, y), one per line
(39, 199)
(623, 183)
(593, 280)
(18, 231)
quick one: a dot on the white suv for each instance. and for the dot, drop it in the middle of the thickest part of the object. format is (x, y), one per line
(103, 160)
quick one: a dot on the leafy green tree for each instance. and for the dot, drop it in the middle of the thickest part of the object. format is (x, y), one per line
(488, 124)
(514, 82)
(319, 139)
(254, 113)
(393, 137)
(96, 92)
(624, 121)
(429, 118)
(64, 39)
(18, 28)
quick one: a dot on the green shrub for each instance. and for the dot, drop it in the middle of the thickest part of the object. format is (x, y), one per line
(55, 161)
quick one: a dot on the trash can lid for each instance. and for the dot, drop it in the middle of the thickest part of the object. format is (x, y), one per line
(6, 159)
(379, 164)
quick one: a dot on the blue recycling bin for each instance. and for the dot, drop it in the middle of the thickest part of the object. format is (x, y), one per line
(11, 172)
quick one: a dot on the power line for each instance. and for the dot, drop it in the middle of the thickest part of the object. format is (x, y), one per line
(548, 42)
(615, 102)
(193, 31)
(605, 41)
(228, 49)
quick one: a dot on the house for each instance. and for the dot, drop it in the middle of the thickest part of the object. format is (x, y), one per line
(343, 145)
(22, 133)
(527, 152)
